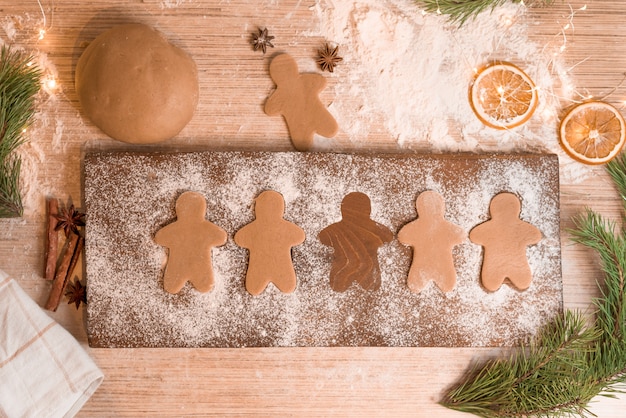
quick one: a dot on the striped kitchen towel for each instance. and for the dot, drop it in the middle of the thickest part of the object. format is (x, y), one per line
(44, 372)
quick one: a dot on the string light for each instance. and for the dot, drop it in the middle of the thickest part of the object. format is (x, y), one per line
(569, 92)
(51, 83)
(44, 29)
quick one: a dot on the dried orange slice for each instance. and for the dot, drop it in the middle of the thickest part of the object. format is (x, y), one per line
(502, 96)
(593, 132)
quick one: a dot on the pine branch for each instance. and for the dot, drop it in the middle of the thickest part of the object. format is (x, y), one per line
(10, 198)
(596, 233)
(460, 10)
(537, 380)
(19, 84)
(617, 170)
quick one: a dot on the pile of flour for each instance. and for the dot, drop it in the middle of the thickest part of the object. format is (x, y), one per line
(411, 70)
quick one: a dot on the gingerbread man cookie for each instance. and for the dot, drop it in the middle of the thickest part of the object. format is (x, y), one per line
(296, 98)
(269, 239)
(355, 240)
(504, 238)
(432, 239)
(190, 240)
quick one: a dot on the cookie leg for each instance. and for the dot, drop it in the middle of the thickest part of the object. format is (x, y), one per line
(254, 286)
(203, 284)
(285, 284)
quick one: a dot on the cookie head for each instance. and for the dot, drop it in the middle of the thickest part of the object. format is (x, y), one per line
(430, 202)
(505, 203)
(191, 205)
(356, 205)
(269, 204)
(283, 68)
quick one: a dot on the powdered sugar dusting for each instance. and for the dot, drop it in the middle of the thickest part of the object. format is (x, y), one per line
(130, 196)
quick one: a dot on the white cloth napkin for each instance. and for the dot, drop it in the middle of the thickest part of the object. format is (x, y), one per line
(44, 372)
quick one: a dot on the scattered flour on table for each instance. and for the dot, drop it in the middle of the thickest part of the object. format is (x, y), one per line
(412, 71)
(170, 4)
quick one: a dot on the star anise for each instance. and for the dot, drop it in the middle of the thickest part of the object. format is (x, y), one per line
(262, 40)
(328, 58)
(76, 293)
(69, 220)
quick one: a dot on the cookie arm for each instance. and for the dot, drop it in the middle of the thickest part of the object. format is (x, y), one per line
(242, 237)
(385, 233)
(164, 235)
(325, 236)
(313, 82)
(458, 232)
(477, 234)
(220, 236)
(274, 104)
(406, 234)
(297, 233)
(534, 234)
(327, 125)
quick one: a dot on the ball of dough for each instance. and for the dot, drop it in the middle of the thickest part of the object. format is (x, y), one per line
(135, 85)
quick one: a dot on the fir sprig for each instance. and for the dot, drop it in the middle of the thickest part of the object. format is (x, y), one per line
(538, 380)
(571, 361)
(19, 84)
(10, 198)
(460, 10)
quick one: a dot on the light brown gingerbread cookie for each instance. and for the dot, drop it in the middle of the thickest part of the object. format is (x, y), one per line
(355, 240)
(296, 98)
(135, 85)
(432, 239)
(190, 240)
(504, 239)
(269, 239)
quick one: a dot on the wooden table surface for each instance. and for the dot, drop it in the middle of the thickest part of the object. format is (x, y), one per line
(234, 83)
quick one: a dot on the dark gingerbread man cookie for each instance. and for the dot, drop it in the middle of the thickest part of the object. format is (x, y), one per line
(355, 240)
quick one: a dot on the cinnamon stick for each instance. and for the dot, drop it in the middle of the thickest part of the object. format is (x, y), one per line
(52, 247)
(70, 270)
(66, 268)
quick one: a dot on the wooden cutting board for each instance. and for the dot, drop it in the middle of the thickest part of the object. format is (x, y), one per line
(130, 196)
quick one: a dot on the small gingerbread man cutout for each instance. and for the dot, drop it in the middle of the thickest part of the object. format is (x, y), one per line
(269, 239)
(190, 240)
(355, 240)
(432, 239)
(296, 98)
(504, 238)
